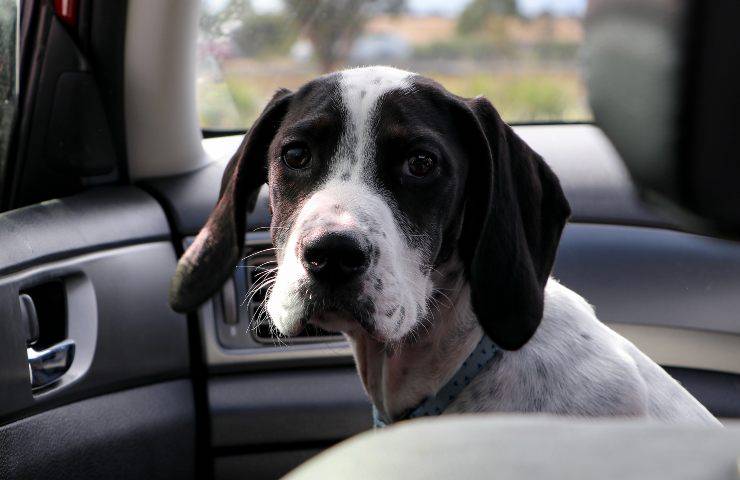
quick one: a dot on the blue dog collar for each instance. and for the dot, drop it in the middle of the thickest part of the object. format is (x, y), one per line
(436, 404)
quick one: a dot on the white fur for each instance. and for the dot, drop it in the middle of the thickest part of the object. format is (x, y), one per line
(348, 198)
(397, 379)
(576, 365)
(362, 88)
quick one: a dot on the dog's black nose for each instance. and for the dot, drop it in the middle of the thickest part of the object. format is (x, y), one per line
(335, 257)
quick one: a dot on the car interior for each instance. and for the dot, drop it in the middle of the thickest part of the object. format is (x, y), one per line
(110, 165)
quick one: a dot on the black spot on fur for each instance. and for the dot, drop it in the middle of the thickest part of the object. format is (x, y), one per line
(398, 325)
(363, 312)
(425, 269)
(390, 312)
(586, 336)
(345, 176)
(540, 368)
(378, 284)
(363, 93)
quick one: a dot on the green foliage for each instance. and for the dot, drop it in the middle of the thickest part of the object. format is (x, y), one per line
(525, 97)
(556, 51)
(216, 108)
(246, 100)
(482, 48)
(332, 26)
(534, 80)
(264, 35)
(478, 12)
(457, 48)
(229, 104)
(8, 14)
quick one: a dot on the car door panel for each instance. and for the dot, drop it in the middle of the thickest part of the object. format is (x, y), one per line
(273, 463)
(143, 432)
(127, 396)
(268, 422)
(287, 407)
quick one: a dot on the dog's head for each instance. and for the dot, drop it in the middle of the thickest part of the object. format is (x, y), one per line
(378, 178)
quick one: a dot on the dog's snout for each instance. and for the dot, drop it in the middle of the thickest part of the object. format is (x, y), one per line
(335, 257)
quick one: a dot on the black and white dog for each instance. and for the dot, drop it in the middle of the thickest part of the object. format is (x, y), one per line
(417, 223)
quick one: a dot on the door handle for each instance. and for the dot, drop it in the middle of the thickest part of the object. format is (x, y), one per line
(47, 366)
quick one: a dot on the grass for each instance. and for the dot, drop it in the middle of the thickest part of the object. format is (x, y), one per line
(525, 97)
(529, 95)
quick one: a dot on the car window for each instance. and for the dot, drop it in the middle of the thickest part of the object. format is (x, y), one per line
(524, 55)
(8, 72)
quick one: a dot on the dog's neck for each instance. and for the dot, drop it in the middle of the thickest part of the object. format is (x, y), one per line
(398, 378)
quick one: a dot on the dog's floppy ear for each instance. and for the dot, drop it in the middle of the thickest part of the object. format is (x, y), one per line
(211, 258)
(514, 216)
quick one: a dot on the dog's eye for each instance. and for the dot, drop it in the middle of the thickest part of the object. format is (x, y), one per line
(419, 165)
(296, 157)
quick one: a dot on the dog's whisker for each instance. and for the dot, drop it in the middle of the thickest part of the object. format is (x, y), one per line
(256, 267)
(249, 296)
(263, 275)
(265, 272)
(260, 252)
(271, 227)
(446, 297)
(256, 288)
(261, 278)
(276, 337)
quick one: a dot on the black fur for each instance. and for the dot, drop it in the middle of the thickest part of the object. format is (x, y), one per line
(515, 214)
(210, 260)
(496, 202)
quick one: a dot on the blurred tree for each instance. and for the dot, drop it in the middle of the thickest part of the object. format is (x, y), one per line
(332, 26)
(253, 34)
(266, 34)
(478, 12)
(219, 22)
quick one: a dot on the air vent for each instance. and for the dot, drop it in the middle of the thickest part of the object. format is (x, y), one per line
(258, 267)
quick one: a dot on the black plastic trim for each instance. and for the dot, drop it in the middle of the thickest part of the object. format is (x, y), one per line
(261, 465)
(287, 407)
(274, 447)
(107, 217)
(718, 391)
(145, 432)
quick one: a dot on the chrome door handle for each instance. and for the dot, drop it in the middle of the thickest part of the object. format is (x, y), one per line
(48, 366)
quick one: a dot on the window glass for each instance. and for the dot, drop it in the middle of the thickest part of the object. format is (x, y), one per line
(521, 54)
(8, 71)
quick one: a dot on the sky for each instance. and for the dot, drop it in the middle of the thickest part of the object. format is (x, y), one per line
(445, 7)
